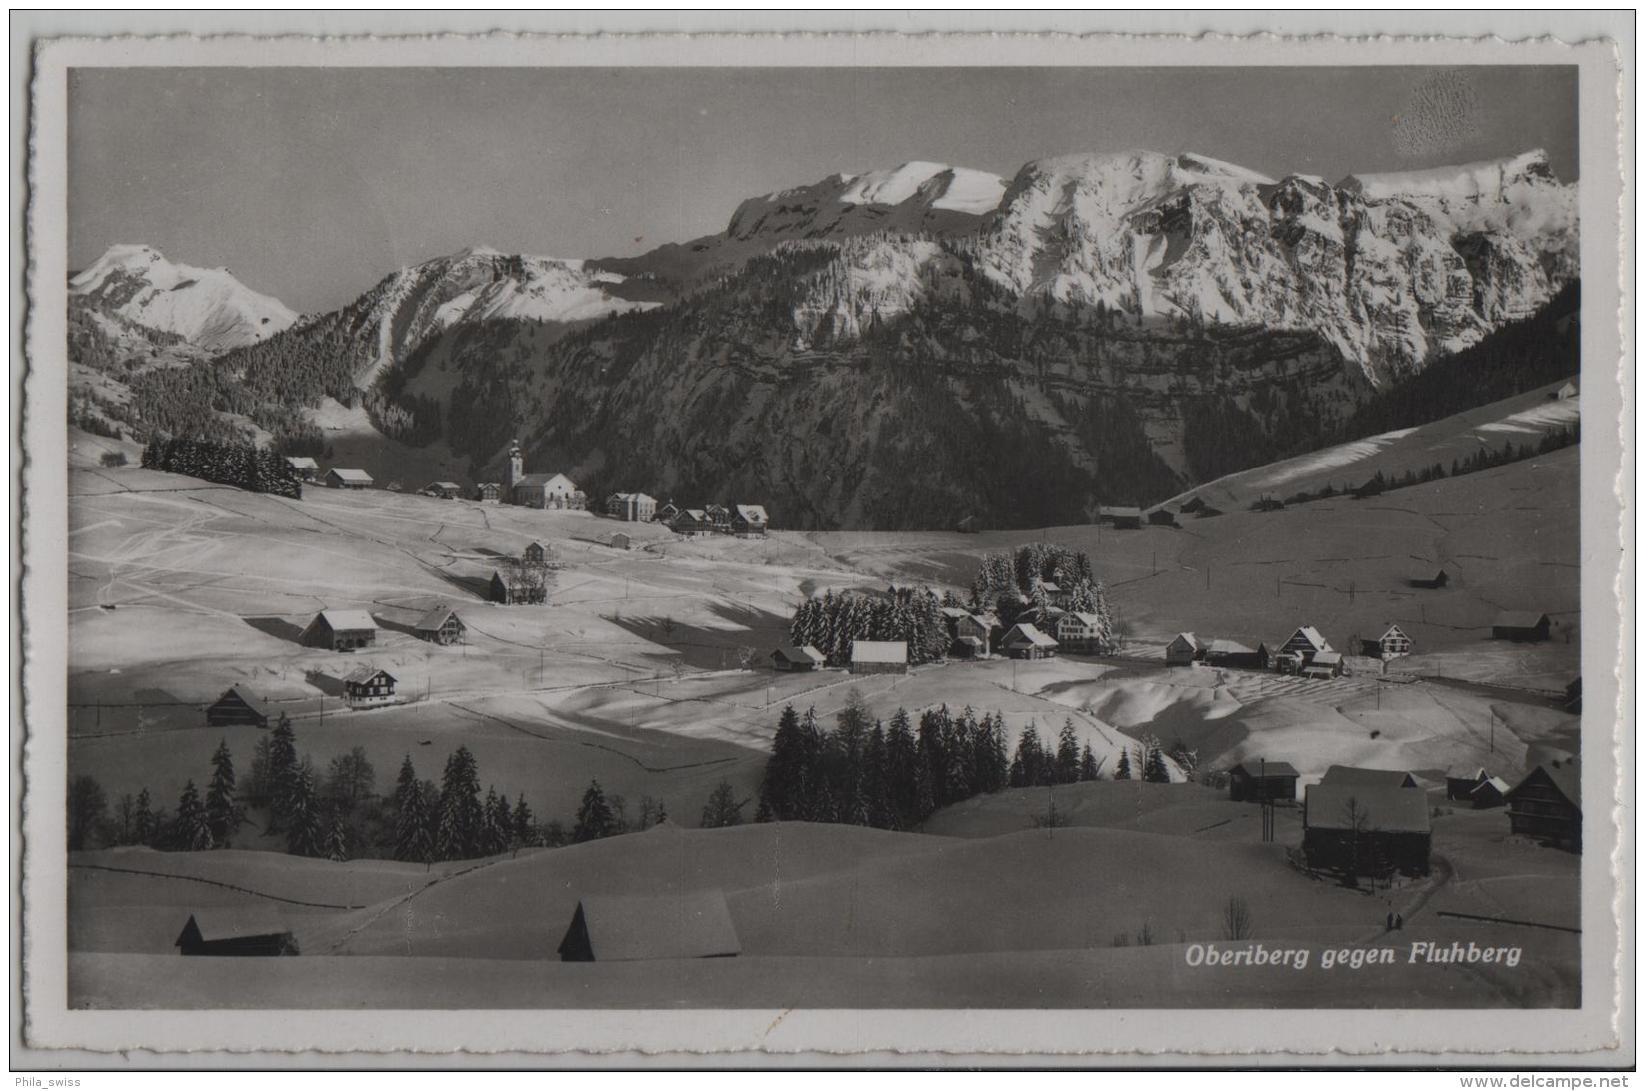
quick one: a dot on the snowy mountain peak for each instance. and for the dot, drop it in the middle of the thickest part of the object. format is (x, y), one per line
(206, 307)
(917, 196)
(1489, 179)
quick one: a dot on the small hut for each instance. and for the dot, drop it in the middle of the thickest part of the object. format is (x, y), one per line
(619, 540)
(1490, 792)
(1520, 626)
(1431, 583)
(441, 625)
(622, 928)
(1231, 653)
(249, 931)
(347, 479)
(1123, 517)
(1184, 650)
(237, 705)
(1260, 780)
(797, 659)
(1461, 780)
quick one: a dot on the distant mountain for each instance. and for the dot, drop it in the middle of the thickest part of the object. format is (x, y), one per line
(208, 308)
(908, 346)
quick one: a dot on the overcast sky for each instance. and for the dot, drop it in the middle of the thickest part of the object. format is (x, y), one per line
(312, 184)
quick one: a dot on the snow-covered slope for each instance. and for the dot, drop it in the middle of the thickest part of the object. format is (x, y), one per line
(206, 307)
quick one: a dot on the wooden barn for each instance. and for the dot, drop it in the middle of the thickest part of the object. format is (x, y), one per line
(1461, 780)
(691, 523)
(629, 928)
(879, 657)
(347, 479)
(303, 468)
(252, 931)
(1082, 632)
(1025, 641)
(1547, 805)
(534, 554)
(1363, 829)
(749, 521)
(1326, 664)
(1161, 517)
(619, 540)
(1231, 653)
(975, 632)
(1257, 780)
(1355, 776)
(791, 658)
(442, 490)
(1123, 517)
(516, 592)
(368, 687)
(1184, 650)
(1520, 626)
(1490, 792)
(341, 630)
(1390, 645)
(1431, 583)
(1191, 506)
(441, 625)
(488, 492)
(237, 705)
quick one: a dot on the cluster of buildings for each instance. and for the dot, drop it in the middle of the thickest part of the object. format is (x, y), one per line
(738, 520)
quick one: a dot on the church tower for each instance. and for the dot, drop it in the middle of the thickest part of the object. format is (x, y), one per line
(516, 470)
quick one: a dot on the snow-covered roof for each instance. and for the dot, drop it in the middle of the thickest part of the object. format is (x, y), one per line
(1256, 767)
(751, 513)
(879, 651)
(1089, 620)
(1393, 630)
(351, 475)
(1496, 784)
(340, 620)
(1228, 647)
(1327, 659)
(240, 690)
(1312, 636)
(1354, 775)
(1187, 638)
(807, 654)
(1379, 808)
(434, 619)
(450, 486)
(1519, 619)
(1567, 778)
(239, 922)
(361, 675)
(549, 482)
(301, 462)
(624, 928)
(1025, 633)
(955, 612)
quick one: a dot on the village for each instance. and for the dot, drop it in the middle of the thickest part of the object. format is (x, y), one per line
(1345, 754)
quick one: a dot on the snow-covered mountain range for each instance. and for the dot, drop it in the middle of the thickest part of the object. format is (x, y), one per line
(208, 308)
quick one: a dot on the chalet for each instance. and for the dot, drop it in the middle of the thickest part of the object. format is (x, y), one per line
(797, 659)
(619, 540)
(555, 491)
(488, 492)
(1460, 781)
(1491, 792)
(1520, 626)
(627, 928)
(237, 705)
(1123, 518)
(1024, 641)
(1162, 517)
(691, 523)
(1191, 506)
(1046, 618)
(303, 468)
(1231, 653)
(1184, 650)
(442, 490)
(973, 636)
(631, 507)
(1565, 393)
(1326, 664)
(368, 687)
(1432, 583)
(249, 931)
(347, 479)
(879, 657)
(1363, 829)
(749, 521)
(516, 590)
(1078, 631)
(719, 518)
(1390, 645)
(534, 554)
(968, 525)
(1305, 644)
(1354, 776)
(441, 625)
(1055, 592)
(667, 512)
(1258, 780)
(341, 630)
(1547, 805)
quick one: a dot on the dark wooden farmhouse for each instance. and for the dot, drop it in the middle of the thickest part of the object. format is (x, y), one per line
(626, 928)
(488, 492)
(368, 687)
(1257, 780)
(236, 932)
(1361, 829)
(1191, 505)
(534, 553)
(347, 479)
(1123, 518)
(1491, 792)
(1162, 517)
(1390, 645)
(797, 659)
(519, 588)
(1305, 644)
(1184, 650)
(1431, 583)
(667, 512)
(719, 518)
(237, 705)
(691, 522)
(1521, 626)
(441, 625)
(1547, 805)
(1461, 780)
(749, 521)
(1025, 641)
(619, 540)
(341, 630)
(1354, 776)
(443, 490)
(1231, 653)
(879, 657)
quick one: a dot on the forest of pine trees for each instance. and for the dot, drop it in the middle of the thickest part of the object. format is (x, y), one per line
(1009, 584)
(831, 623)
(242, 465)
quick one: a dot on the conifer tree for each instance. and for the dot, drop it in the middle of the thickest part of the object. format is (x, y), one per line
(458, 832)
(779, 787)
(404, 784)
(901, 758)
(1088, 764)
(876, 785)
(525, 829)
(722, 808)
(223, 813)
(282, 770)
(145, 828)
(1122, 771)
(190, 830)
(305, 825)
(414, 826)
(1068, 754)
(1153, 769)
(594, 819)
(336, 841)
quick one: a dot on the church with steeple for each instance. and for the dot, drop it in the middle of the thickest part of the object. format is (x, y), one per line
(553, 491)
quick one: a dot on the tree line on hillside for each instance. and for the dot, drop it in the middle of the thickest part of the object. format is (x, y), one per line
(1009, 584)
(833, 622)
(242, 465)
